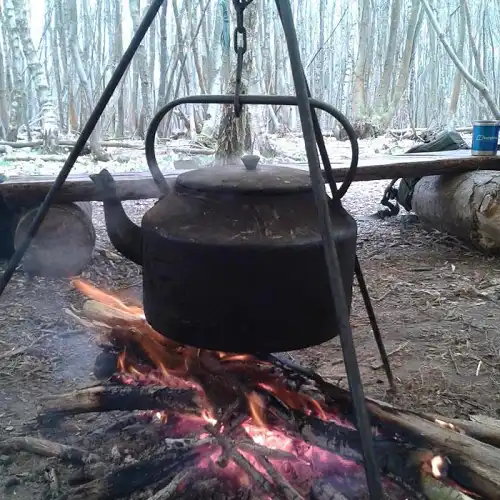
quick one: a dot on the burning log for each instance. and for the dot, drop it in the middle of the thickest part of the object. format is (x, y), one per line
(464, 205)
(119, 397)
(64, 244)
(257, 413)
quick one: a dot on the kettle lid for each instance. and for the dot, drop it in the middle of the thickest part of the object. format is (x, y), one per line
(236, 179)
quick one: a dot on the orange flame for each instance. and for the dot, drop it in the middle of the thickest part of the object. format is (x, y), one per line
(106, 298)
(174, 362)
(256, 407)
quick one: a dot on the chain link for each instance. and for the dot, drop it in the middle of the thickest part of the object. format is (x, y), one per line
(240, 47)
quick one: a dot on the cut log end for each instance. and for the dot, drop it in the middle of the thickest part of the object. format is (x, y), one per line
(64, 243)
(464, 205)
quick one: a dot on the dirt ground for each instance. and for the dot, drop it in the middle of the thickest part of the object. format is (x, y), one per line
(436, 301)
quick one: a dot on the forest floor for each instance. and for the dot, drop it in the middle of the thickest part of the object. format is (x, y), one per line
(437, 302)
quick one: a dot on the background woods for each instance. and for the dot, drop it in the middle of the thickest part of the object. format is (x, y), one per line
(376, 60)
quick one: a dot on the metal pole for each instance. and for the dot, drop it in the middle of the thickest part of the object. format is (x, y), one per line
(331, 255)
(373, 323)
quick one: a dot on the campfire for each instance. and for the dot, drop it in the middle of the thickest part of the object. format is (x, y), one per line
(198, 424)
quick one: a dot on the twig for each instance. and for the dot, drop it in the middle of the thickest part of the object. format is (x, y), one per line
(53, 479)
(258, 449)
(20, 350)
(281, 483)
(47, 448)
(171, 489)
(478, 368)
(453, 361)
(229, 449)
(377, 366)
(184, 444)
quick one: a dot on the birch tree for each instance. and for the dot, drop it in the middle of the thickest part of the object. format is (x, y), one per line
(50, 128)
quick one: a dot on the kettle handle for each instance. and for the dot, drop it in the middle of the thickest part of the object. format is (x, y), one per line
(246, 99)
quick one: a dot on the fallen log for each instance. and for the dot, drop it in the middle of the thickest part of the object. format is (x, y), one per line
(119, 397)
(64, 243)
(465, 205)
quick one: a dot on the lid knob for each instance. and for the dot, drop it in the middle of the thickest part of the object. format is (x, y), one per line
(250, 161)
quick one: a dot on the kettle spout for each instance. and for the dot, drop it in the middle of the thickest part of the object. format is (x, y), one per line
(125, 236)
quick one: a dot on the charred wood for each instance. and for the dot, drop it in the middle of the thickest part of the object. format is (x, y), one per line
(134, 477)
(47, 448)
(120, 397)
(170, 490)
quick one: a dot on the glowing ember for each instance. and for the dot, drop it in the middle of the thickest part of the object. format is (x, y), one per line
(437, 465)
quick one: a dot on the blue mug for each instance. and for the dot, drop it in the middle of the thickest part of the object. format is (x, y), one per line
(485, 138)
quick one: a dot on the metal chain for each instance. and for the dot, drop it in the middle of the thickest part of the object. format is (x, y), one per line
(240, 47)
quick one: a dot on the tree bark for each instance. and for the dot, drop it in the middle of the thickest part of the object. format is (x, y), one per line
(404, 70)
(72, 19)
(16, 103)
(142, 68)
(64, 244)
(50, 129)
(465, 205)
(381, 101)
(364, 36)
(455, 92)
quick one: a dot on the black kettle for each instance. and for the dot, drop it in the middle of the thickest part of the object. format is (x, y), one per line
(233, 259)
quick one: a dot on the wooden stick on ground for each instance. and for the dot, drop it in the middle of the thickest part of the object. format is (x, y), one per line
(47, 448)
(171, 489)
(120, 397)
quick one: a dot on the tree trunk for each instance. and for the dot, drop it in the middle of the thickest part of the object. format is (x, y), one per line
(404, 69)
(381, 101)
(465, 205)
(50, 129)
(235, 133)
(64, 244)
(142, 68)
(364, 36)
(479, 85)
(16, 104)
(72, 20)
(455, 92)
(117, 53)
(163, 56)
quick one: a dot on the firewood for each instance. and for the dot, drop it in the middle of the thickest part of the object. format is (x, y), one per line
(130, 478)
(476, 464)
(47, 448)
(489, 434)
(120, 397)
(64, 243)
(436, 490)
(473, 464)
(170, 490)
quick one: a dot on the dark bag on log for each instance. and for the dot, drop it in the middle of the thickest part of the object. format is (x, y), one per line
(444, 141)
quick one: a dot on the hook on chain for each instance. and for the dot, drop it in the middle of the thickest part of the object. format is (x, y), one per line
(240, 47)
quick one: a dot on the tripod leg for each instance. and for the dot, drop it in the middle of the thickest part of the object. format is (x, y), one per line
(373, 323)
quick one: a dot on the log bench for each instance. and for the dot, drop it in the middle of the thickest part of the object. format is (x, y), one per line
(69, 223)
